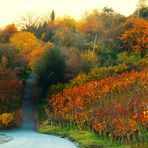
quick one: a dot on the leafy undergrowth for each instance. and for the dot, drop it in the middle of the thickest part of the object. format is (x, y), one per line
(40, 108)
(85, 139)
(115, 107)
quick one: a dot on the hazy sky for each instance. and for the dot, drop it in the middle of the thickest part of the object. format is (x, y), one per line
(11, 10)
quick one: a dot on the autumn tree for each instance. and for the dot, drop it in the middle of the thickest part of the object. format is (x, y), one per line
(26, 42)
(90, 24)
(89, 60)
(73, 62)
(81, 41)
(31, 49)
(33, 23)
(144, 13)
(141, 4)
(64, 30)
(142, 10)
(28, 22)
(100, 29)
(109, 37)
(107, 17)
(7, 32)
(47, 33)
(91, 27)
(135, 37)
(10, 90)
(11, 54)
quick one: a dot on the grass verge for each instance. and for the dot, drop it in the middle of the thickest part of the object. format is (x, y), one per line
(85, 139)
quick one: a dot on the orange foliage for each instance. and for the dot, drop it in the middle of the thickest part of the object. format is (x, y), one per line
(7, 33)
(135, 38)
(107, 104)
(10, 29)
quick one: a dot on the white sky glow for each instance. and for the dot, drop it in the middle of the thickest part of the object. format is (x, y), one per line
(11, 10)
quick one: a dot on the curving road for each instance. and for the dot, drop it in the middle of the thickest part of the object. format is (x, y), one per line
(32, 139)
(25, 136)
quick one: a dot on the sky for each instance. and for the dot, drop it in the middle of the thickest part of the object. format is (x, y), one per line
(12, 10)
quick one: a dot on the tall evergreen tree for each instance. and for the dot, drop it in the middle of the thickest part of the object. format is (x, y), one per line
(52, 16)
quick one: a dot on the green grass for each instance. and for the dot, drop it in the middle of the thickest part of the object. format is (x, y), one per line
(85, 139)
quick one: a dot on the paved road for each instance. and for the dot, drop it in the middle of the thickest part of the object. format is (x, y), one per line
(25, 136)
(32, 139)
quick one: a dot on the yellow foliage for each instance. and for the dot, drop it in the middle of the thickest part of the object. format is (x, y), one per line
(89, 60)
(90, 55)
(6, 119)
(24, 40)
(10, 119)
(30, 47)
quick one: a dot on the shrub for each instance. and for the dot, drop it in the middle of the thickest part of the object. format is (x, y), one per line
(54, 89)
(10, 119)
(89, 60)
(98, 74)
(6, 118)
(107, 58)
(141, 64)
